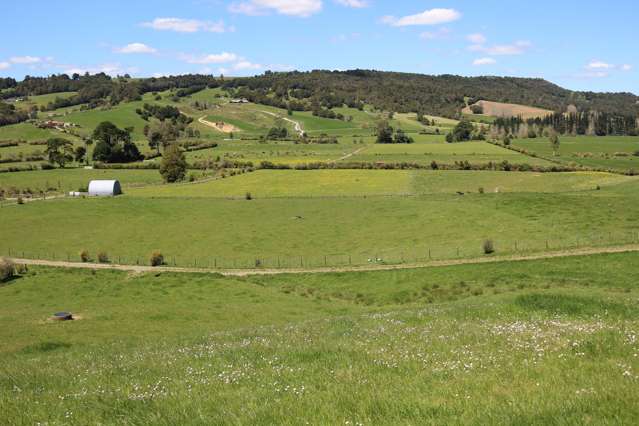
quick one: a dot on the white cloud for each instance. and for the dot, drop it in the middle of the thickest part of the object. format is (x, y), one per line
(301, 8)
(476, 38)
(25, 60)
(599, 65)
(358, 4)
(517, 48)
(110, 69)
(626, 67)
(215, 58)
(427, 17)
(246, 65)
(484, 61)
(136, 48)
(187, 25)
(4, 65)
(433, 35)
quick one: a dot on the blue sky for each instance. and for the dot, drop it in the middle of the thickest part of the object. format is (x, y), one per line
(582, 45)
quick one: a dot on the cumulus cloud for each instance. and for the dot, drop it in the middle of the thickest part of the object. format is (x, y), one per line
(433, 35)
(484, 61)
(213, 58)
(516, 48)
(187, 25)
(110, 69)
(136, 48)
(25, 60)
(300, 8)
(4, 65)
(357, 4)
(246, 65)
(599, 65)
(427, 17)
(477, 38)
(626, 67)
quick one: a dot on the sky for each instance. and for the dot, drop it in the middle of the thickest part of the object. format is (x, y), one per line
(578, 44)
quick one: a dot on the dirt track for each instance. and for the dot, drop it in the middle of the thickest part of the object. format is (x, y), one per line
(224, 128)
(374, 267)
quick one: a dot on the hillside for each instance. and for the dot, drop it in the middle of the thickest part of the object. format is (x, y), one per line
(500, 109)
(442, 95)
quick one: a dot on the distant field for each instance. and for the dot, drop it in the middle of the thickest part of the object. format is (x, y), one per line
(499, 109)
(340, 183)
(473, 152)
(42, 100)
(198, 227)
(610, 152)
(540, 342)
(66, 180)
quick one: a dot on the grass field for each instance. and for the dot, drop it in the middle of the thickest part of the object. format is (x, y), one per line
(611, 152)
(340, 183)
(65, 180)
(425, 153)
(542, 342)
(186, 226)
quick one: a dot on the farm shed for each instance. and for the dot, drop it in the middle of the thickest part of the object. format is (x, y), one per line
(104, 188)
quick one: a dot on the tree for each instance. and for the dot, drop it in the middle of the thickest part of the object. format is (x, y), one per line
(114, 145)
(554, 142)
(400, 137)
(384, 132)
(463, 131)
(173, 165)
(59, 151)
(80, 154)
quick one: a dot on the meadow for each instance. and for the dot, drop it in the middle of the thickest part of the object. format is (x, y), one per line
(332, 218)
(539, 342)
(609, 153)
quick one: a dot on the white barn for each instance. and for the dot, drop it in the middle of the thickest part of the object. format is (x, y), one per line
(104, 188)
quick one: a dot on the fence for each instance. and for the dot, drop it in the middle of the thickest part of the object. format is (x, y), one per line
(414, 255)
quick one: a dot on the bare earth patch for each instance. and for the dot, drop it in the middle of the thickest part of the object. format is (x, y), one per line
(219, 126)
(498, 109)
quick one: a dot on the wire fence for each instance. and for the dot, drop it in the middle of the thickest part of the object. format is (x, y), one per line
(414, 255)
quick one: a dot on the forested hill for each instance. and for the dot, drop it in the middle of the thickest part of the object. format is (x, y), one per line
(441, 95)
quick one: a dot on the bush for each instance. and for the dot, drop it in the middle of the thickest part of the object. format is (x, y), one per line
(7, 270)
(248, 196)
(481, 190)
(157, 259)
(20, 200)
(489, 247)
(103, 257)
(84, 256)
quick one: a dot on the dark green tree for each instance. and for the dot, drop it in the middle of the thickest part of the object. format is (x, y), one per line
(173, 165)
(59, 151)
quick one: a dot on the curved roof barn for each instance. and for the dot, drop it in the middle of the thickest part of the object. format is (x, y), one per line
(104, 188)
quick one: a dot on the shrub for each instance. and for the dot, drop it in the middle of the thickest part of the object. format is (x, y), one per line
(489, 247)
(84, 256)
(103, 257)
(248, 196)
(481, 190)
(7, 270)
(157, 259)
(20, 200)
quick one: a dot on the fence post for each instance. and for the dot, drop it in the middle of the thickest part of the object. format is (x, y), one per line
(325, 264)
(215, 262)
(301, 262)
(349, 259)
(430, 257)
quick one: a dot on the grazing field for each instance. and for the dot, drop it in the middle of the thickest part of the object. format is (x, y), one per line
(552, 342)
(341, 183)
(448, 225)
(65, 180)
(612, 152)
(426, 153)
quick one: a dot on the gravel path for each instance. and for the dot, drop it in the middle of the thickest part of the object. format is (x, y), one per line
(374, 267)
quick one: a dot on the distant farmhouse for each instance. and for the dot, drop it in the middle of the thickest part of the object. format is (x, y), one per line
(240, 101)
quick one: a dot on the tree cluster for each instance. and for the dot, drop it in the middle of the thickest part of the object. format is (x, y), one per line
(113, 145)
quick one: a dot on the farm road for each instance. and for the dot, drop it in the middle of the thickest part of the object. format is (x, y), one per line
(372, 267)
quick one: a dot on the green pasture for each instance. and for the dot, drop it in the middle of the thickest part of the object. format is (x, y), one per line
(340, 183)
(66, 180)
(610, 152)
(542, 342)
(186, 226)
(425, 153)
